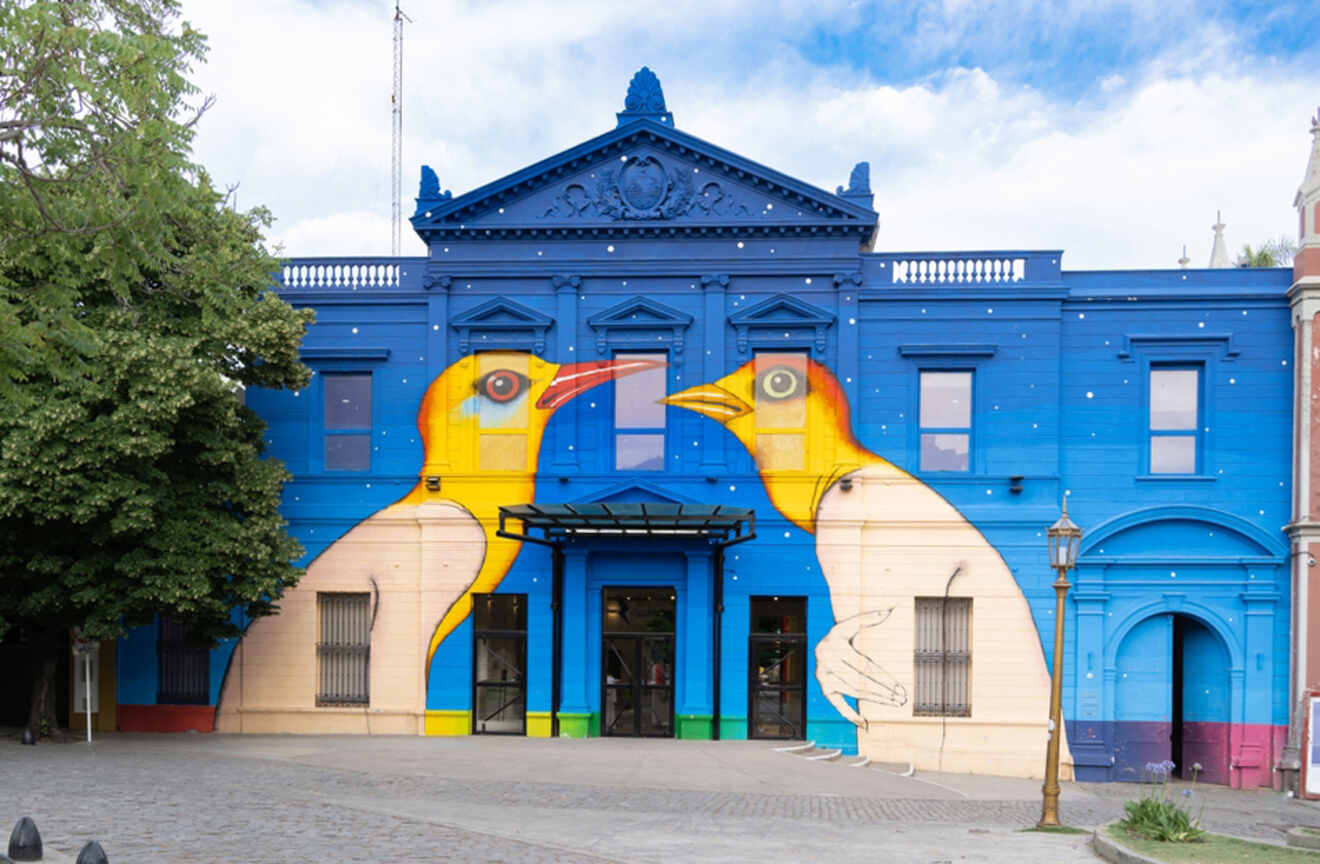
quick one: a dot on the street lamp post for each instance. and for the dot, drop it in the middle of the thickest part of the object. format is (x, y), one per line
(1064, 538)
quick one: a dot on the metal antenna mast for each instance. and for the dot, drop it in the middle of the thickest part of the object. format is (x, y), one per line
(396, 145)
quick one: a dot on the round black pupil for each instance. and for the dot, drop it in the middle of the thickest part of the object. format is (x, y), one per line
(500, 385)
(781, 381)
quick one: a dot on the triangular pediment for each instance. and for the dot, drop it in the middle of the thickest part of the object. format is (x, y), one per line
(782, 309)
(646, 177)
(634, 493)
(501, 323)
(640, 312)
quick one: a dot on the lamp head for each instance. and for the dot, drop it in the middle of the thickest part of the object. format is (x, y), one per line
(1064, 538)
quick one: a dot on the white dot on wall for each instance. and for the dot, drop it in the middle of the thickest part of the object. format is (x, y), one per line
(539, 253)
(1244, 311)
(1262, 512)
(988, 492)
(923, 311)
(884, 427)
(1285, 362)
(570, 446)
(852, 320)
(446, 248)
(1232, 380)
(354, 329)
(1090, 675)
(570, 347)
(1090, 395)
(847, 380)
(787, 534)
(296, 394)
(733, 488)
(593, 404)
(807, 280)
(501, 209)
(609, 248)
(740, 244)
(989, 311)
(435, 326)
(1081, 314)
(405, 381)
(1200, 323)
(1124, 380)
(996, 407)
(696, 443)
(1035, 425)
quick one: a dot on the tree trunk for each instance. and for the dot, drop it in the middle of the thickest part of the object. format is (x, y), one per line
(41, 710)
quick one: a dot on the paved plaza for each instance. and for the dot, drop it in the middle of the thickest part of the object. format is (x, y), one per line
(283, 799)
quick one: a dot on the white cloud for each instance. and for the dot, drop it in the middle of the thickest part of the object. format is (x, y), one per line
(1120, 177)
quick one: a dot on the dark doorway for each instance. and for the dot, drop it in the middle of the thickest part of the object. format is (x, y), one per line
(499, 664)
(637, 662)
(777, 668)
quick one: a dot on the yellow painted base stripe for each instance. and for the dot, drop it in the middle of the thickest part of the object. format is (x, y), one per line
(538, 724)
(448, 722)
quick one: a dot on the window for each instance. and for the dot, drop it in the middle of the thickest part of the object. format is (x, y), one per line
(501, 393)
(943, 657)
(946, 421)
(185, 665)
(344, 650)
(639, 418)
(779, 412)
(1175, 419)
(499, 663)
(777, 654)
(347, 422)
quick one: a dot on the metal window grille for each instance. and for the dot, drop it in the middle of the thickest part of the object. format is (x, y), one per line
(185, 665)
(344, 652)
(943, 657)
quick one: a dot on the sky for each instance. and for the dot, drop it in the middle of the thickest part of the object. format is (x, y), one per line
(1113, 131)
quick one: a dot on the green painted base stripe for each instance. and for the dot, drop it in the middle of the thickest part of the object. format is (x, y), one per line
(575, 725)
(693, 727)
(733, 728)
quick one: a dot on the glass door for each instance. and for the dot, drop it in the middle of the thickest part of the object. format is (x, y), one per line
(499, 664)
(637, 662)
(777, 660)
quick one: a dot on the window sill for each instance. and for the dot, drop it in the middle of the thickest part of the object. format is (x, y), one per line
(1165, 478)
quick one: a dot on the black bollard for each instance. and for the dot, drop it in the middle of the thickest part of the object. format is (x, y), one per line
(29, 737)
(92, 853)
(25, 841)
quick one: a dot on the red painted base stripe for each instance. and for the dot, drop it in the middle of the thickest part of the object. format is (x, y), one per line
(166, 718)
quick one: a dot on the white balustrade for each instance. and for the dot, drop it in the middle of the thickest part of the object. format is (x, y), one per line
(957, 270)
(341, 274)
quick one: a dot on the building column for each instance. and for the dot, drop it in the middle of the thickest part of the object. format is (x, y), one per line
(575, 710)
(566, 288)
(437, 341)
(849, 326)
(692, 715)
(713, 326)
(1304, 530)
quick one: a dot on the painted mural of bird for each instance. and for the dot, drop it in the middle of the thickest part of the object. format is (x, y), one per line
(883, 539)
(419, 561)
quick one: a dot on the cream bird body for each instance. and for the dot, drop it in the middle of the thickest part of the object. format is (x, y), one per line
(418, 561)
(884, 539)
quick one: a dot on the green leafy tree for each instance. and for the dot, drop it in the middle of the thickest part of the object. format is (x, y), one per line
(1278, 252)
(135, 306)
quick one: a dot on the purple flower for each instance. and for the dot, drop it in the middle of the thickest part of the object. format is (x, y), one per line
(1187, 793)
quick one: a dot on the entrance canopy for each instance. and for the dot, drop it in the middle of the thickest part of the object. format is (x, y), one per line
(722, 525)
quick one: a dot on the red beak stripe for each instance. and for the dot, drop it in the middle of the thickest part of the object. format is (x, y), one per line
(574, 378)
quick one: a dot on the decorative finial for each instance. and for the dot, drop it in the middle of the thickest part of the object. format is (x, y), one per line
(1219, 251)
(428, 190)
(645, 99)
(1184, 260)
(859, 181)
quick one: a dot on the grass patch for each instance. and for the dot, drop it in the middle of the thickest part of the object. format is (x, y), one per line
(1054, 829)
(1214, 849)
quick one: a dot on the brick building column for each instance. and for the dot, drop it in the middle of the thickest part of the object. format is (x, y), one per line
(1304, 530)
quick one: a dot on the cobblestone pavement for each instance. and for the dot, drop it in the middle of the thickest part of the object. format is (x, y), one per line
(197, 798)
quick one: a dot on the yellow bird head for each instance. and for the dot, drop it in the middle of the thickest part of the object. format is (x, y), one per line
(793, 417)
(487, 412)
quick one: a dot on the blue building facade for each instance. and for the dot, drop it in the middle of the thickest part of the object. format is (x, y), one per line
(719, 565)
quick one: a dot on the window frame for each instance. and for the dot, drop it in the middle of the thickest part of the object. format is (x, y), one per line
(797, 349)
(972, 417)
(1197, 433)
(363, 649)
(958, 710)
(322, 433)
(662, 431)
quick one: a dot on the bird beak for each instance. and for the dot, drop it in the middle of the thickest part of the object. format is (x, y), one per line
(711, 400)
(574, 378)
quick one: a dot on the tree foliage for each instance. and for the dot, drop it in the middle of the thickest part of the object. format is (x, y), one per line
(134, 307)
(1278, 252)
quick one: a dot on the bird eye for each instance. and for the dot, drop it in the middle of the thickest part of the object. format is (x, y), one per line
(502, 385)
(780, 382)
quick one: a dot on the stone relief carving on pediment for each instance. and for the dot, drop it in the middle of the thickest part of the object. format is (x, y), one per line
(644, 188)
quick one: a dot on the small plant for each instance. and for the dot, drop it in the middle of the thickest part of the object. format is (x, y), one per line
(1154, 816)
